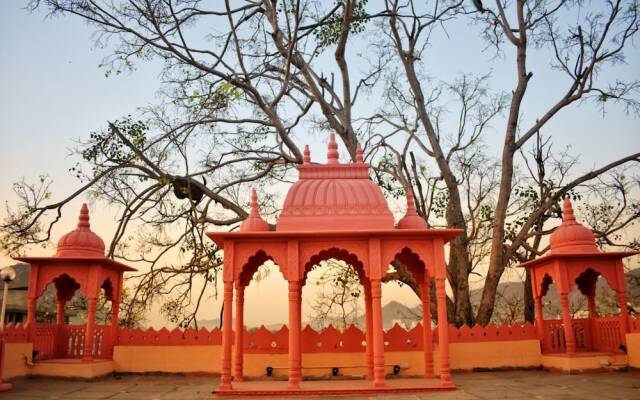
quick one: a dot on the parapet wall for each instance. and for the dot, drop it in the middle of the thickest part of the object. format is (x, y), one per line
(191, 350)
(352, 339)
(199, 351)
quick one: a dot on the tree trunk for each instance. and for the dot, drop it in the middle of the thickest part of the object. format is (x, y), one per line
(459, 267)
(459, 262)
(402, 275)
(529, 306)
(497, 262)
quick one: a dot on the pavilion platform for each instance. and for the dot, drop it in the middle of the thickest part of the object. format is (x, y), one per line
(333, 387)
(73, 368)
(584, 362)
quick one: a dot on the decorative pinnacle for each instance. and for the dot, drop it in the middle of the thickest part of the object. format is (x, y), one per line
(307, 155)
(359, 156)
(332, 153)
(254, 222)
(411, 219)
(411, 205)
(567, 211)
(254, 203)
(83, 219)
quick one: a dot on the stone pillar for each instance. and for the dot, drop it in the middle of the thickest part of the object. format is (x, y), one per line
(31, 311)
(60, 312)
(238, 359)
(443, 333)
(377, 333)
(426, 327)
(569, 337)
(368, 310)
(593, 315)
(59, 340)
(227, 336)
(31, 317)
(87, 355)
(295, 354)
(591, 302)
(539, 318)
(115, 312)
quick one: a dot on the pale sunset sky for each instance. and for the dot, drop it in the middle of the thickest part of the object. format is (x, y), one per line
(52, 93)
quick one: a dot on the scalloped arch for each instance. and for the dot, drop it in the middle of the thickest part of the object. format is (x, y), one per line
(576, 274)
(337, 254)
(412, 261)
(249, 268)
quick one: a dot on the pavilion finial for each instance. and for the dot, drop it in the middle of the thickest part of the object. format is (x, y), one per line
(359, 156)
(571, 237)
(567, 211)
(411, 219)
(83, 219)
(254, 222)
(307, 155)
(81, 242)
(411, 205)
(332, 152)
(254, 202)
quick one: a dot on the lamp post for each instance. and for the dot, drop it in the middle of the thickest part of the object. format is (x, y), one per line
(7, 275)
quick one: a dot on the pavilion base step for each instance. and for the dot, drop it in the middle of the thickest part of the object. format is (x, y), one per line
(333, 387)
(73, 368)
(584, 362)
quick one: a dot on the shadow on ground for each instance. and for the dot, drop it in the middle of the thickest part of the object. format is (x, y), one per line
(478, 385)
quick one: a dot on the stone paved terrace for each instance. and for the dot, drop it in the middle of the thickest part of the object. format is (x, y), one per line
(479, 385)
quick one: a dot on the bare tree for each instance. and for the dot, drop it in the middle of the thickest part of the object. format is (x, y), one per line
(242, 80)
(581, 52)
(338, 297)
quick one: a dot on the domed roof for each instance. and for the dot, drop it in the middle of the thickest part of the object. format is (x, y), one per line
(81, 242)
(334, 196)
(254, 222)
(572, 237)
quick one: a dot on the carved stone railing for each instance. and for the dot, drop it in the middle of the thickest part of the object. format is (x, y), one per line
(50, 344)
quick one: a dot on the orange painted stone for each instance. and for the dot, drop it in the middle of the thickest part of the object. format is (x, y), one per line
(571, 237)
(575, 260)
(333, 211)
(79, 263)
(81, 242)
(334, 196)
(254, 222)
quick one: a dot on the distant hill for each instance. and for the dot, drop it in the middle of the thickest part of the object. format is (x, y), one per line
(209, 323)
(395, 312)
(509, 289)
(215, 323)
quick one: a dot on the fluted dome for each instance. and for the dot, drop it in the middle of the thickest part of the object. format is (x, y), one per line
(81, 242)
(334, 196)
(572, 237)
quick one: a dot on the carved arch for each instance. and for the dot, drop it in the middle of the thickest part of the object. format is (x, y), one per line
(47, 277)
(546, 281)
(109, 291)
(245, 273)
(411, 262)
(587, 272)
(66, 287)
(338, 254)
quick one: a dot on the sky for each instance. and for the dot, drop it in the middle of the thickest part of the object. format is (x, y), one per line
(52, 93)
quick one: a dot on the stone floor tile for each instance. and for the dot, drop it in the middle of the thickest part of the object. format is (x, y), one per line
(471, 386)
